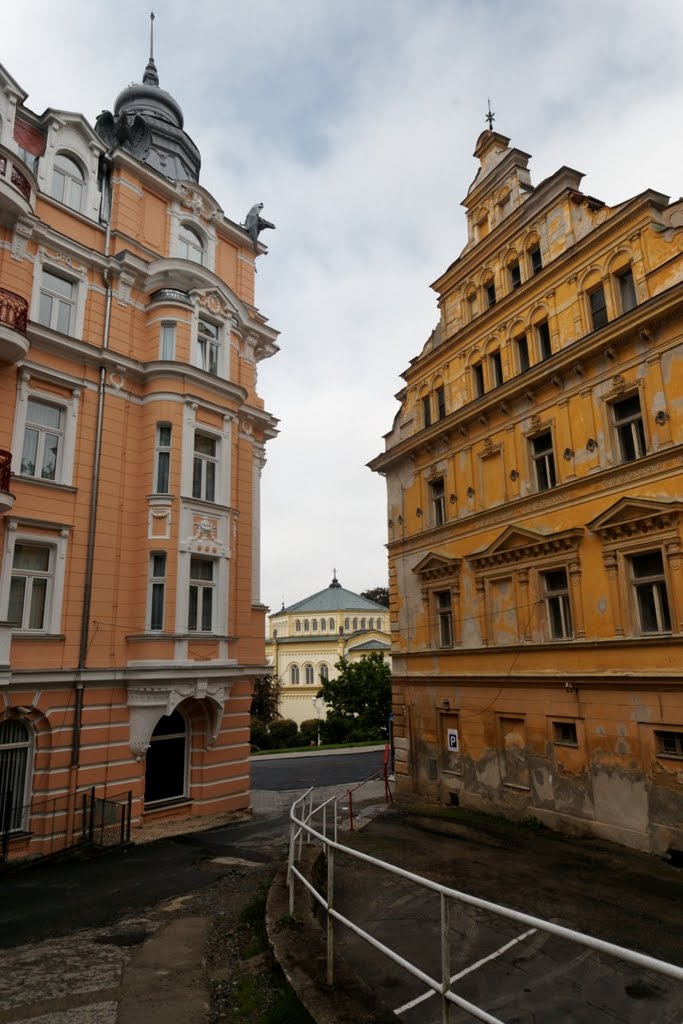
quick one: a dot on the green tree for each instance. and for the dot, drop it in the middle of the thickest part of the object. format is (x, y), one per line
(378, 594)
(358, 700)
(266, 700)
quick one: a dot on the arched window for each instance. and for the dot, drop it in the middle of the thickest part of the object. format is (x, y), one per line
(355, 623)
(15, 751)
(309, 675)
(314, 625)
(305, 625)
(68, 182)
(297, 626)
(379, 623)
(294, 675)
(166, 766)
(362, 623)
(331, 625)
(371, 624)
(191, 246)
(347, 624)
(324, 672)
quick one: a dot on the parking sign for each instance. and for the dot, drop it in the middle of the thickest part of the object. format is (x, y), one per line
(453, 740)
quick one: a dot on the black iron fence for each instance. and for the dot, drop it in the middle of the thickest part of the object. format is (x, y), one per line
(53, 824)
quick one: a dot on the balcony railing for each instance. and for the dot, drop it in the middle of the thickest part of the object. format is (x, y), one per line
(13, 311)
(5, 470)
(13, 173)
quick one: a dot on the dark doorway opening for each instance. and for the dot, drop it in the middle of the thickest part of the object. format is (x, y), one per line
(166, 768)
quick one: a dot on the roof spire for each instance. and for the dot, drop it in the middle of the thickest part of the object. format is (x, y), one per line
(335, 582)
(150, 76)
(490, 117)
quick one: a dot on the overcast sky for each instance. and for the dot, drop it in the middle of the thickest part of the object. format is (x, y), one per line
(354, 123)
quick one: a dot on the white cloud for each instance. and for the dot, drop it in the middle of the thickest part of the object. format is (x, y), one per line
(355, 125)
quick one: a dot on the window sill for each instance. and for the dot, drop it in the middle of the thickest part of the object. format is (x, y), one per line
(21, 478)
(560, 743)
(18, 634)
(516, 785)
(211, 506)
(669, 757)
(163, 805)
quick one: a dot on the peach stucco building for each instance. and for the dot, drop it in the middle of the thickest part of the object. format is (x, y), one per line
(132, 626)
(535, 513)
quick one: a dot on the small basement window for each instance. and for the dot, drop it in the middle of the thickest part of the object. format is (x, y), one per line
(669, 743)
(564, 734)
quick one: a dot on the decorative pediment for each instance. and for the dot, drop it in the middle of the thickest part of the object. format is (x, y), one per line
(517, 545)
(146, 705)
(633, 517)
(437, 567)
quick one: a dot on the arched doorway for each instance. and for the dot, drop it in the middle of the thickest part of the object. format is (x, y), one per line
(166, 766)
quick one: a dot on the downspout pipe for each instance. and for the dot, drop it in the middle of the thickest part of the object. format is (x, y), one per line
(95, 482)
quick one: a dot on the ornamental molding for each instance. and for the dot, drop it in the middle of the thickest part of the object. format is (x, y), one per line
(147, 704)
(517, 546)
(436, 568)
(635, 518)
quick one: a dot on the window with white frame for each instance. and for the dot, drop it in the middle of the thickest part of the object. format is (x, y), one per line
(190, 245)
(558, 609)
(309, 675)
(204, 466)
(648, 581)
(157, 589)
(444, 618)
(43, 440)
(627, 289)
(57, 308)
(628, 424)
(162, 459)
(208, 347)
(15, 770)
(167, 342)
(331, 625)
(68, 182)
(543, 458)
(324, 672)
(294, 675)
(297, 626)
(362, 623)
(202, 589)
(31, 587)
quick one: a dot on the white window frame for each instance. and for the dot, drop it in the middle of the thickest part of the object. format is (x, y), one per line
(203, 585)
(58, 301)
(224, 451)
(324, 672)
(204, 343)
(69, 178)
(294, 675)
(167, 340)
(162, 449)
(70, 406)
(205, 461)
(542, 458)
(437, 500)
(43, 432)
(22, 804)
(656, 583)
(155, 582)
(55, 591)
(443, 615)
(628, 424)
(561, 600)
(191, 240)
(76, 275)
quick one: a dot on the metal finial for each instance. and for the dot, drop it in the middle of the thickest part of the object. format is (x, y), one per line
(490, 117)
(335, 582)
(151, 76)
(151, 35)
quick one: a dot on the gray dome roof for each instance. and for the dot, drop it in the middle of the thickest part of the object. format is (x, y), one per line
(334, 599)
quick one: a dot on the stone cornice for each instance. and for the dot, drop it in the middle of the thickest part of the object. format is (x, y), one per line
(554, 544)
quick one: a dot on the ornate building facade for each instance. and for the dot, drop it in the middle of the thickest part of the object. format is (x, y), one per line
(534, 476)
(308, 638)
(132, 625)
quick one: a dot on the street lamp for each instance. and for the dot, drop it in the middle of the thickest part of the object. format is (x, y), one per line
(318, 705)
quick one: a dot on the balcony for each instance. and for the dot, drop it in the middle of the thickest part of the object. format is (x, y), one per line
(6, 499)
(13, 322)
(17, 188)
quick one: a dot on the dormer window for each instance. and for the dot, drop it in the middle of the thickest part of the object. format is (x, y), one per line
(68, 182)
(191, 246)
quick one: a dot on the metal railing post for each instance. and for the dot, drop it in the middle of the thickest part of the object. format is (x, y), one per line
(330, 919)
(445, 958)
(290, 862)
(130, 814)
(350, 811)
(336, 819)
(325, 820)
(309, 816)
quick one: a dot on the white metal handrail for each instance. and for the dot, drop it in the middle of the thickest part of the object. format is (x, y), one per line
(301, 825)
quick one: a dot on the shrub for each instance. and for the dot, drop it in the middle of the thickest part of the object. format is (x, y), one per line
(283, 733)
(308, 731)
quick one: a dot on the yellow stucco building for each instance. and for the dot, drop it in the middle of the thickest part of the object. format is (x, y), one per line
(307, 639)
(131, 624)
(534, 476)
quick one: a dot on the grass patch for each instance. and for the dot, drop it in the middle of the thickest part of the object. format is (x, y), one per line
(315, 750)
(253, 917)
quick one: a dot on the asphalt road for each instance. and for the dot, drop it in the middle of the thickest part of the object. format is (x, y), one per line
(50, 898)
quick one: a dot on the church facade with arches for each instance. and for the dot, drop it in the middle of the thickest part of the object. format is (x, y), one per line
(133, 440)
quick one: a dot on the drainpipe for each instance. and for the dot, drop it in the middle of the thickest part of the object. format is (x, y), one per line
(94, 493)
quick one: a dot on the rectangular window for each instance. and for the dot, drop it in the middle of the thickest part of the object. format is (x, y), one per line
(204, 467)
(649, 587)
(490, 290)
(669, 743)
(515, 276)
(598, 306)
(627, 290)
(427, 410)
(543, 331)
(57, 307)
(43, 440)
(157, 590)
(564, 734)
(441, 402)
(162, 480)
(522, 345)
(496, 364)
(208, 346)
(444, 618)
(438, 500)
(544, 461)
(200, 611)
(536, 259)
(557, 604)
(478, 374)
(30, 586)
(167, 350)
(628, 423)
